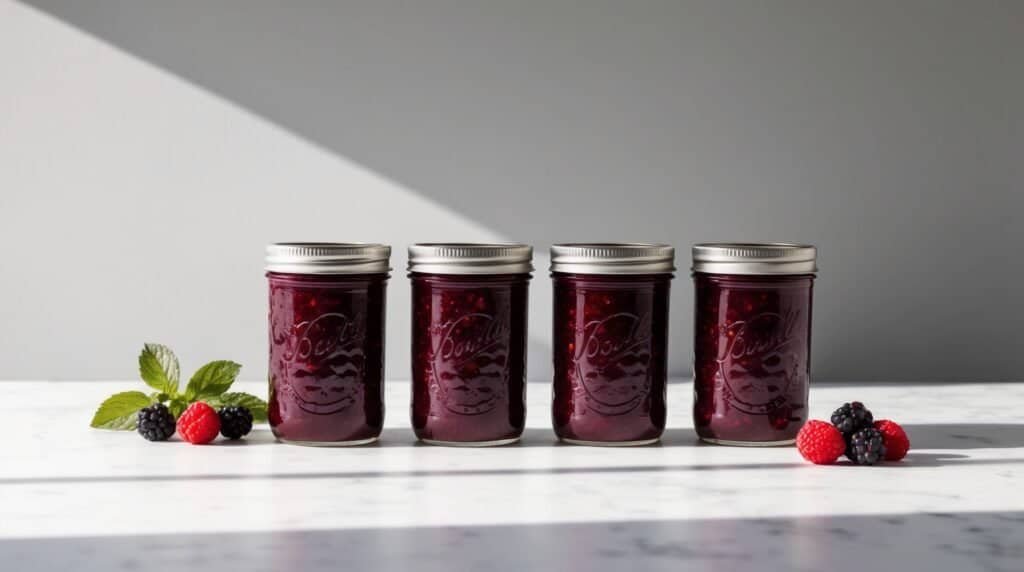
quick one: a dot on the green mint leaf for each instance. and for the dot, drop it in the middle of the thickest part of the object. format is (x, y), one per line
(159, 368)
(120, 411)
(212, 379)
(177, 406)
(257, 406)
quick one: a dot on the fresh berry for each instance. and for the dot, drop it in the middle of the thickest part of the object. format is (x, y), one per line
(820, 443)
(156, 422)
(199, 424)
(235, 421)
(866, 447)
(896, 441)
(780, 417)
(851, 417)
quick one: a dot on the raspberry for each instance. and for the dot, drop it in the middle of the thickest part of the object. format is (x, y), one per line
(820, 442)
(896, 441)
(199, 424)
(155, 422)
(235, 421)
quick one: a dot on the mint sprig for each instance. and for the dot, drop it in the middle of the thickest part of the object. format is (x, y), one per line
(212, 379)
(159, 369)
(119, 411)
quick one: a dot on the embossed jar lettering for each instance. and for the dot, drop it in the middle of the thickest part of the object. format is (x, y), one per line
(613, 362)
(761, 359)
(324, 362)
(471, 364)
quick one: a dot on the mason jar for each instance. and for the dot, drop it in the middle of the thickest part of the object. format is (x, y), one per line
(326, 329)
(752, 341)
(469, 315)
(610, 341)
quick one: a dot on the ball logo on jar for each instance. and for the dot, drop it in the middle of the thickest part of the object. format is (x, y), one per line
(759, 359)
(612, 361)
(324, 363)
(470, 363)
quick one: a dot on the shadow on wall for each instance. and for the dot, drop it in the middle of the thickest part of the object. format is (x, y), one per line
(883, 134)
(939, 541)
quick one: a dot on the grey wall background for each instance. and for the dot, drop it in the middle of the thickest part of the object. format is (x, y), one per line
(146, 161)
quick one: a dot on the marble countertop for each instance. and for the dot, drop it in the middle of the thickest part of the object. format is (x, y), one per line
(74, 497)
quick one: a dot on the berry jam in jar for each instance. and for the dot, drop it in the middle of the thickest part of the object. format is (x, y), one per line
(469, 308)
(327, 342)
(752, 341)
(610, 342)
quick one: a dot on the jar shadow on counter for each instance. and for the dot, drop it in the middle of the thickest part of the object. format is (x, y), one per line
(913, 460)
(532, 437)
(950, 436)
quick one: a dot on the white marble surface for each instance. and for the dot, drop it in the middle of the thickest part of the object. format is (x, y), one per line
(73, 497)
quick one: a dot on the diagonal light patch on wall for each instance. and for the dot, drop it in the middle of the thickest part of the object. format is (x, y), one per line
(137, 205)
(884, 136)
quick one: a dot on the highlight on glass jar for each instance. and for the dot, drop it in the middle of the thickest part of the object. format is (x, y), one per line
(610, 342)
(326, 331)
(752, 341)
(469, 313)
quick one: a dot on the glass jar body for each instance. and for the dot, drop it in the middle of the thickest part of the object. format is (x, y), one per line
(752, 350)
(469, 335)
(326, 357)
(610, 343)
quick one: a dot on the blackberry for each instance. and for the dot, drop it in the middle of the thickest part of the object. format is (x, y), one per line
(235, 421)
(866, 447)
(852, 417)
(156, 422)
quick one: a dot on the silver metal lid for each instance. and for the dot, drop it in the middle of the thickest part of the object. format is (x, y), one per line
(754, 258)
(470, 258)
(613, 258)
(328, 258)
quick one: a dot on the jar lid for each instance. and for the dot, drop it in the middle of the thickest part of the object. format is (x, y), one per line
(613, 258)
(754, 258)
(328, 258)
(470, 258)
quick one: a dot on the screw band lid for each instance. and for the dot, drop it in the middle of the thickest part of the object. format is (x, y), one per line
(470, 258)
(613, 258)
(328, 258)
(754, 258)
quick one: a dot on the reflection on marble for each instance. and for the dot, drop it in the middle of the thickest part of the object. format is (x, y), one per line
(74, 497)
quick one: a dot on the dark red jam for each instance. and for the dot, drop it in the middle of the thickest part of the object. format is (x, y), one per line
(326, 357)
(752, 343)
(610, 342)
(469, 357)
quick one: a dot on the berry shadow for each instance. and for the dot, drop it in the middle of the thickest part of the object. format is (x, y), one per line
(962, 436)
(922, 460)
(260, 435)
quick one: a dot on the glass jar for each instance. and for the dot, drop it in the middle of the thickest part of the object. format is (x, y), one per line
(752, 341)
(610, 342)
(327, 342)
(469, 308)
